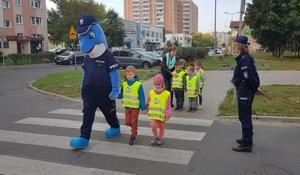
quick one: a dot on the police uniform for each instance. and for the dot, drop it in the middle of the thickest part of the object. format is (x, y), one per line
(246, 81)
(96, 86)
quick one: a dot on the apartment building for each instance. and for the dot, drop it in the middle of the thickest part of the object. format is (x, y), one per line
(189, 17)
(24, 26)
(164, 13)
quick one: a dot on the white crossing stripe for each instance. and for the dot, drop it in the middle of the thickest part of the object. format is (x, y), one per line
(142, 117)
(101, 147)
(14, 165)
(146, 131)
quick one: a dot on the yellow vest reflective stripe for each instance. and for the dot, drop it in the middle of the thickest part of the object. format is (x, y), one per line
(192, 86)
(131, 95)
(157, 105)
(177, 80)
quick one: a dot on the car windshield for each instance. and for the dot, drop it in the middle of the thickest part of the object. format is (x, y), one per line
(66, 53)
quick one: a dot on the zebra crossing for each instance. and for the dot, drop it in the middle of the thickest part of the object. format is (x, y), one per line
(20, 165)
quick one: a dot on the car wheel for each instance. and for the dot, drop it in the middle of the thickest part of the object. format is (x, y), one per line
(71, 62)
(146, 65)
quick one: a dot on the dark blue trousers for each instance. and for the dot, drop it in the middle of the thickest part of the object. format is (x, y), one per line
(245, 99)
(93, 98)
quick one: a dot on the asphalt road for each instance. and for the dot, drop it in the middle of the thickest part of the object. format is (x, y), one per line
(35, 130)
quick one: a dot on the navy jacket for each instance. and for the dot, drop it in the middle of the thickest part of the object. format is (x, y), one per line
(96, 70)
(245, 75)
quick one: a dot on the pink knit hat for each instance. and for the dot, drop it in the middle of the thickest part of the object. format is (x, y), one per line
(158, 79)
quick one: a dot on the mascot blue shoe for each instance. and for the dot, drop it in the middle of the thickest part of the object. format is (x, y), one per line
(79, 143)
(112, 132)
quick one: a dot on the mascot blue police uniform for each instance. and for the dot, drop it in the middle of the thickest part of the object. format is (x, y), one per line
(100, 84)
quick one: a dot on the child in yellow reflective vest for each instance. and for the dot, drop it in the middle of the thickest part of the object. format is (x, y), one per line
(192, 87)
(199, 70)
(178, 83)
(159, 109)
(133, 99)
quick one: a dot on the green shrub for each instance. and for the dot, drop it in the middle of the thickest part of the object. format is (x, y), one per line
(19, 59)
(189, 53)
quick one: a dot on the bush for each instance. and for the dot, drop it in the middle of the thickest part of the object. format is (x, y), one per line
(189, 53)
(19, 59)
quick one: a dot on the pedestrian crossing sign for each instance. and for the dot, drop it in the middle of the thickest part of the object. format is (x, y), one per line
(72, 33)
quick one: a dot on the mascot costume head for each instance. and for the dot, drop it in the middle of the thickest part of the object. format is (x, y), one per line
(100, 84)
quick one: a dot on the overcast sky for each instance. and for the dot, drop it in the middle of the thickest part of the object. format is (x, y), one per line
(205, 8)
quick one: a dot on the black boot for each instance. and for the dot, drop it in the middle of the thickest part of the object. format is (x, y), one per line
(239, 141)
(243, 148)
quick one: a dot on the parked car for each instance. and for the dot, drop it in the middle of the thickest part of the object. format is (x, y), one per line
(68, 57)
(217, 51)
(153, 55)
(134, 58)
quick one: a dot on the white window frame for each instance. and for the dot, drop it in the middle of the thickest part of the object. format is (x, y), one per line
(19, 20)
(5, 4)
(4, 24)
(18, 2)
(35, 4)
(36, 21)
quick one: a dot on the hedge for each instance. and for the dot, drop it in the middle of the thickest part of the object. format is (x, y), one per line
(19, 59)
(189, 53)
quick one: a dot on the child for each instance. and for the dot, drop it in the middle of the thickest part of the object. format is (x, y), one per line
(177, 85)
(159, 109)
(133, 99)
(199, 70)
(192, 86)
(183, 63)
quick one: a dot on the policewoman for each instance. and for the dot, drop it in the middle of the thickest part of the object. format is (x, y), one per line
(100, 84)
(246, 81)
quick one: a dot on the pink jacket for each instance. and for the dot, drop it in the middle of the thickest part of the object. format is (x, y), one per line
(168, 110)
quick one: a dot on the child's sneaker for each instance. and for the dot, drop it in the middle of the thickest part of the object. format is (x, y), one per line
(154, 141)
(159, 142)
(132, 140)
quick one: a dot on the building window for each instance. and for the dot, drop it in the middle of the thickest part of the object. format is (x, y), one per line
(36, 21)
(35, 3)
(18, 2)
(6, 45)
(6, 24)
(5, 4)
(19, 19)
(0, 44)
(20, 34)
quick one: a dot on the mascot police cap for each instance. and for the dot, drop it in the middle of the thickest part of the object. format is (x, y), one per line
(90, 33)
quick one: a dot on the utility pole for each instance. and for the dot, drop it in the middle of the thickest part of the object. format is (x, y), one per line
(242, 11)
(215, 29)
(2, 47)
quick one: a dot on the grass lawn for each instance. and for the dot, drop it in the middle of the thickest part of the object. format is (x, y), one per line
(285, 101)
(264, 61)
(68, 83)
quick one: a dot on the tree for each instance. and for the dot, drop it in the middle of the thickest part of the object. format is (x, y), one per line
(275, 24)
(201, 40)
(67, 13)
(113, 27)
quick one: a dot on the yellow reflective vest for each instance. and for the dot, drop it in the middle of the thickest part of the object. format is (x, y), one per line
(177, 80)
(131, 95)
(157, 105)
(191, 85)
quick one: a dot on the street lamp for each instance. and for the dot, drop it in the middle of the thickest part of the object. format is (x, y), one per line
(231, 14)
